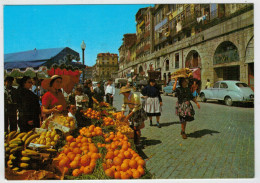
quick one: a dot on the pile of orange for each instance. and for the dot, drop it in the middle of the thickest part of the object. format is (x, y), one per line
(121, 162)
(92, 114)
(118, 116)
(79, 154)
(108, 121)
(91, 131)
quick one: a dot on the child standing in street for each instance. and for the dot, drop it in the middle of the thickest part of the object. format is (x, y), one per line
(184, 108)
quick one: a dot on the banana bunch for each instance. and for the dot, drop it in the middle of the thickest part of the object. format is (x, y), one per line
(15, 143)
(49, 138)
(26, 159)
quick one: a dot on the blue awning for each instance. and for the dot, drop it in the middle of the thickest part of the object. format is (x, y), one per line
(20, 65)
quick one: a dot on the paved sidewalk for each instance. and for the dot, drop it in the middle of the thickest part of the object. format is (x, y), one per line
(220, 143)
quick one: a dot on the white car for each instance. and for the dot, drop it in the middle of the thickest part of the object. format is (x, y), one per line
(229, 92)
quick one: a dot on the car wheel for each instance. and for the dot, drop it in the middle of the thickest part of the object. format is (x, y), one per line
(164, 93)
(203, 98)
(228, 101)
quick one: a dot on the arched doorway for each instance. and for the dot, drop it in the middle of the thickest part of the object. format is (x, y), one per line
(167, 65)
(193, 62)
(141, 69)
(225, 54)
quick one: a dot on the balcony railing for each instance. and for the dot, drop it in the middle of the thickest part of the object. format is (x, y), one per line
(188, 21)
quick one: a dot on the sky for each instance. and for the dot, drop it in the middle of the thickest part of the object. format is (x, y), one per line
(55, 26)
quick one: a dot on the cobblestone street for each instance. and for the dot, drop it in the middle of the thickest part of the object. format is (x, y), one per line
(220, 142)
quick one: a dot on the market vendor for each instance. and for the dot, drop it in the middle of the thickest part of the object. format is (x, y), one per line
(53, 98)
(136, 115)
(28, 106)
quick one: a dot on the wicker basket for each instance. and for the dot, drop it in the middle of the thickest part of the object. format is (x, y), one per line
(182, 73)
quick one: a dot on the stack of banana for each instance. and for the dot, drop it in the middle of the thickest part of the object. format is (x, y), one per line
(17, 156)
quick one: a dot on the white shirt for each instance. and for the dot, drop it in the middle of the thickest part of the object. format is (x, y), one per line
(110, 89)
(79, 98)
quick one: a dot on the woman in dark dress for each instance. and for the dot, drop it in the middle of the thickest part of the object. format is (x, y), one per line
(28, 106)
(153, 102)
(88, 89)
(184, 108)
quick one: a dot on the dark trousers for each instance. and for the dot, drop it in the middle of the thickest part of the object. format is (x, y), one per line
(10, 119)
(25, 127)
(109, 99)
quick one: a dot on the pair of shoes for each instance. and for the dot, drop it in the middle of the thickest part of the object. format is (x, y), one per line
(184, 136)
(158, 125)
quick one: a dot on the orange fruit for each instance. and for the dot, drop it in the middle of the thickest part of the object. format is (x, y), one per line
(76, 172)
(136, 174)
(117, 175)
(126, 161)
(141, 162)
(116, 152)
(124, 166)
(133, 163)
(117, 161)
(84, 139)
(69, 138)
(73, 144)
(95, 156)
(141, 170)
(64, 162)
(93, 134)
(127, 154)
(74, 164)
(77, 150)
(121, 155)
(92, 148)
(109, 155)
(124, 175)
(62, 155)
(65, 170)
(92, 164)
(82, 168)
(125, 147)
(88, 170)
(66, 150)
(85, 160)
(71, 156)
(130, 173)
(77, 158)
(109, 173)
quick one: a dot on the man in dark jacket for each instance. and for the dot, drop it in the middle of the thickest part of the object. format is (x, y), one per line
(10, 94)
(99, 92)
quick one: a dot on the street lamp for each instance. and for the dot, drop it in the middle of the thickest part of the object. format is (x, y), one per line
(83, 46)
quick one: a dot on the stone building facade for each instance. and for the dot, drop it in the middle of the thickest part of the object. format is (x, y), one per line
(106, 64)
(220, 45)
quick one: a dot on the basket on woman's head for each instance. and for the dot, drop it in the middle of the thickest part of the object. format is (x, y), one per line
(182, 73)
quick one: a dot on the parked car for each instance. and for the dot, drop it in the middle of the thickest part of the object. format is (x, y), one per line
(168, 89)
(229, 92)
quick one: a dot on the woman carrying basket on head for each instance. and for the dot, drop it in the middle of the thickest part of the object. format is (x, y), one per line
(184, 108)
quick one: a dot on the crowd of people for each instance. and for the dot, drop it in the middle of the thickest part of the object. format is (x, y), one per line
(31, 103)
(28, 105)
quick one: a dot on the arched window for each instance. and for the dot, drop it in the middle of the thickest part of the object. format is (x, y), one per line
(226, 52)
